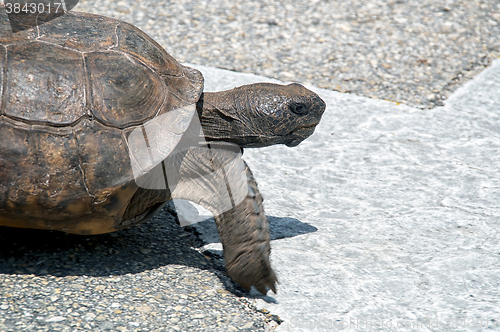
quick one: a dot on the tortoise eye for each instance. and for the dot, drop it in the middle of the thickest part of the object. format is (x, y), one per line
(299, 109)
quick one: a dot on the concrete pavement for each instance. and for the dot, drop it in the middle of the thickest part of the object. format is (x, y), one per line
(387, 217)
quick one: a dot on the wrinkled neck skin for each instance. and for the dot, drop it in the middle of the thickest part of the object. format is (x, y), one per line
(223, 118)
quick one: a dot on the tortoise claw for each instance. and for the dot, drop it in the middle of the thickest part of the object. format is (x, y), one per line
(273, 286)
(248, 271)
(270, 284)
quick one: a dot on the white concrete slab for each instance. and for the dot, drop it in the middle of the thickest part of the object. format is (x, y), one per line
(391, 213)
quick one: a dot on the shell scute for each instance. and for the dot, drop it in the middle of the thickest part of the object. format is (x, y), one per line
(44, 83)
(83, 33)
(41, 173)
(125, 92)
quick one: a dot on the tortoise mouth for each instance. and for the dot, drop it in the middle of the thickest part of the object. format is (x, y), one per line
(306, 126)
(312, 125)
(300, 133)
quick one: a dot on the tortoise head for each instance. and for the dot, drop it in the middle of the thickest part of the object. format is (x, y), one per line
(261, 114)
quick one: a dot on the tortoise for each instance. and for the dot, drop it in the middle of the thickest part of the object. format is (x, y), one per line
(74, 90)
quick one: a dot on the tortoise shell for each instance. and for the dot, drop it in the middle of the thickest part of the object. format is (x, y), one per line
(71, 90)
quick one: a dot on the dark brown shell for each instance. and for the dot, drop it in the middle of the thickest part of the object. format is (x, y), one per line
(70, 91)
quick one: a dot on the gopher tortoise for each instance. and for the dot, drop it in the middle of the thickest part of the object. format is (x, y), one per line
(100, 126)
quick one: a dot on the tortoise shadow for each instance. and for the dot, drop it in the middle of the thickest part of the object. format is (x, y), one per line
(279, 228)
(154, 244)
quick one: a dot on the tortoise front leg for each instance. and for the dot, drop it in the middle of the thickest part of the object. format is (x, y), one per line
(244, 233)
(218, 179)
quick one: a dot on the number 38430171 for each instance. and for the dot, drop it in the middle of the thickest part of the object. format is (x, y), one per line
(32, 8)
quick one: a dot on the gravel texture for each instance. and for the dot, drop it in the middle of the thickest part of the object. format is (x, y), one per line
(150, 278)
(414, 52)
(146, 278)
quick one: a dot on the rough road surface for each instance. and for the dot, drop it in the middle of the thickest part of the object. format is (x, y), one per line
(149, 278)
(390, 217)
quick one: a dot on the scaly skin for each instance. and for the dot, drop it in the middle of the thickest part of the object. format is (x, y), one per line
(244, 233)
(261, 114)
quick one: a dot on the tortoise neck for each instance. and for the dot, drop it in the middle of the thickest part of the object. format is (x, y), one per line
(220, 117)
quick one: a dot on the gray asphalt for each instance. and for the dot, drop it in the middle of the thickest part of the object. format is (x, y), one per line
(375, 240)
(409, 51)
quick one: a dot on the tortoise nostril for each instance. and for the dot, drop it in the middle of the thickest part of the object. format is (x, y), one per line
(299, 109)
